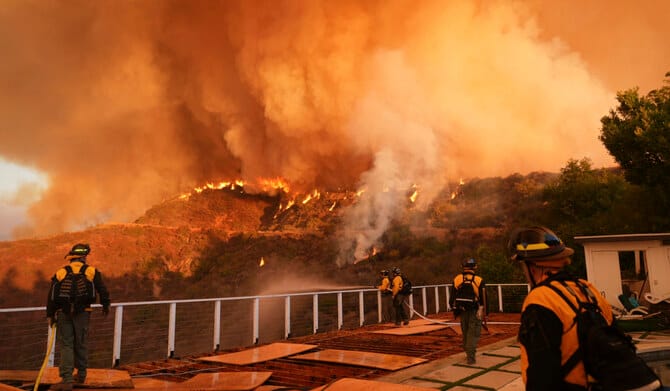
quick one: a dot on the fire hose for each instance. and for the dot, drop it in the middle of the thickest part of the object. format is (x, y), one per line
(46, 357)
(450, 323)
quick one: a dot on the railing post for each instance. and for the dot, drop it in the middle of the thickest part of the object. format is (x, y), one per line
(51, 338)
(118, 326)
(437, 300)
(361, 309)
(500, 301)
(446, 288)
(411, 306)
(217, 325)
(379, 307)
(257, 315)
(171, 329)
(287, 317)
(340, 320)
(424, 303)
(315, 313)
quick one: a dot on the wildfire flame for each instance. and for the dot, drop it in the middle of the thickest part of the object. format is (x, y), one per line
(274, 184)
(264, 183)
(415, 194)
(461, 182)
(262, 262)
(314, 194)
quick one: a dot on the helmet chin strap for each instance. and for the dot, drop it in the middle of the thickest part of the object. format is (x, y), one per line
(529, 274)
(531, 269)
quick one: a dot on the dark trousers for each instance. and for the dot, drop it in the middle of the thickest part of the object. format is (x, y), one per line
(73, 340)
(399, 307)
(472, 330)
(388, 313)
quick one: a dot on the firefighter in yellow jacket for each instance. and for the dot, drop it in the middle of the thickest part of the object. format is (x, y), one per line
(548, 335)
(469, 303)
(384, 287)
(69, 305)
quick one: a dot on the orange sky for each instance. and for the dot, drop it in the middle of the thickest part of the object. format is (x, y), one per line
(123, 104)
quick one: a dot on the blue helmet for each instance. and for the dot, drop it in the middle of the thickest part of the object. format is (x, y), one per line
(469, 263)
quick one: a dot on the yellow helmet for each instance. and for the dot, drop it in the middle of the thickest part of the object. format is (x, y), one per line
(537, 245)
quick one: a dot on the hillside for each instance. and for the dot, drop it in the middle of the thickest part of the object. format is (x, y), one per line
(225, 241)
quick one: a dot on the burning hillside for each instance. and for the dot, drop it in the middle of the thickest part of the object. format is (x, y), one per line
(143, 100)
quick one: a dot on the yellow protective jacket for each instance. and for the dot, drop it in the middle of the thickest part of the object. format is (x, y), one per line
(91, 273)
(547, 298)
(397, 285)
(385, 285)
(476, 284)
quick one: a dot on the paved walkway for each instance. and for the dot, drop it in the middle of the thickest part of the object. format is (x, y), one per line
(498, 367)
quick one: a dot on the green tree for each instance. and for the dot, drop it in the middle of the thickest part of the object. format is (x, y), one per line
(637, 135)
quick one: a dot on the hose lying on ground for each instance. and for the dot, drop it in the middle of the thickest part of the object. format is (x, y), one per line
(46, 358)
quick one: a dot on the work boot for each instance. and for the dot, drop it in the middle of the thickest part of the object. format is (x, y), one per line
(61, 387)
(79, 379)
(406, 322)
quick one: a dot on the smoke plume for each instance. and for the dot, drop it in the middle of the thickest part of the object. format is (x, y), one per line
(123, 104)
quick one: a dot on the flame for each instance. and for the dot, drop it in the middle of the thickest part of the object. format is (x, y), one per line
(314, 194)
(265, 184)
(274, 184)
(290, 204)
(414, 195)
(461, 182)
(332, 206)
(262, 262)
(453, 195)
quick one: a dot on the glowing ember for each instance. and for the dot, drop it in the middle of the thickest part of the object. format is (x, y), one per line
(414, 195)
(332, 206)
(262, 262)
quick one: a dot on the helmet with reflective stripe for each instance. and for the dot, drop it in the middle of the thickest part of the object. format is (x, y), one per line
(396, 271)
(469, 263)
(537, 245)
(80, 249)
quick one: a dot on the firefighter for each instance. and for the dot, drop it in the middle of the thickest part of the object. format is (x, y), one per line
(399, 297)
(73, 316)
(468, 303)
(547, 336)
(387, 296)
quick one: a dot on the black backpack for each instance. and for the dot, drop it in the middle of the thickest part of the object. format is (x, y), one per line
(608, 353)
(74, 292)
(406, 286)
(465, 297)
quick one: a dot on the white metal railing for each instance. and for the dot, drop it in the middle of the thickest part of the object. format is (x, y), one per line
(424, 293)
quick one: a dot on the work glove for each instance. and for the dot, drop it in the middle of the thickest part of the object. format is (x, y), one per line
(480, 312)
(105, 310)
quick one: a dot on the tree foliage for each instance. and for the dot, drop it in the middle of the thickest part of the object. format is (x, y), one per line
(637, 135)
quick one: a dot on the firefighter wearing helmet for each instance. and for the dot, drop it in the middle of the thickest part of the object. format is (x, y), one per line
(384, 287)
(468, 303)
(550, 359)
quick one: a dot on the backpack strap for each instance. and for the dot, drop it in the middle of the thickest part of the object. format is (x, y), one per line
(472, 281)
(577, 356)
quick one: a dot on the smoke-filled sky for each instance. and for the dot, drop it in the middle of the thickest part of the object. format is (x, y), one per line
(122, 104)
